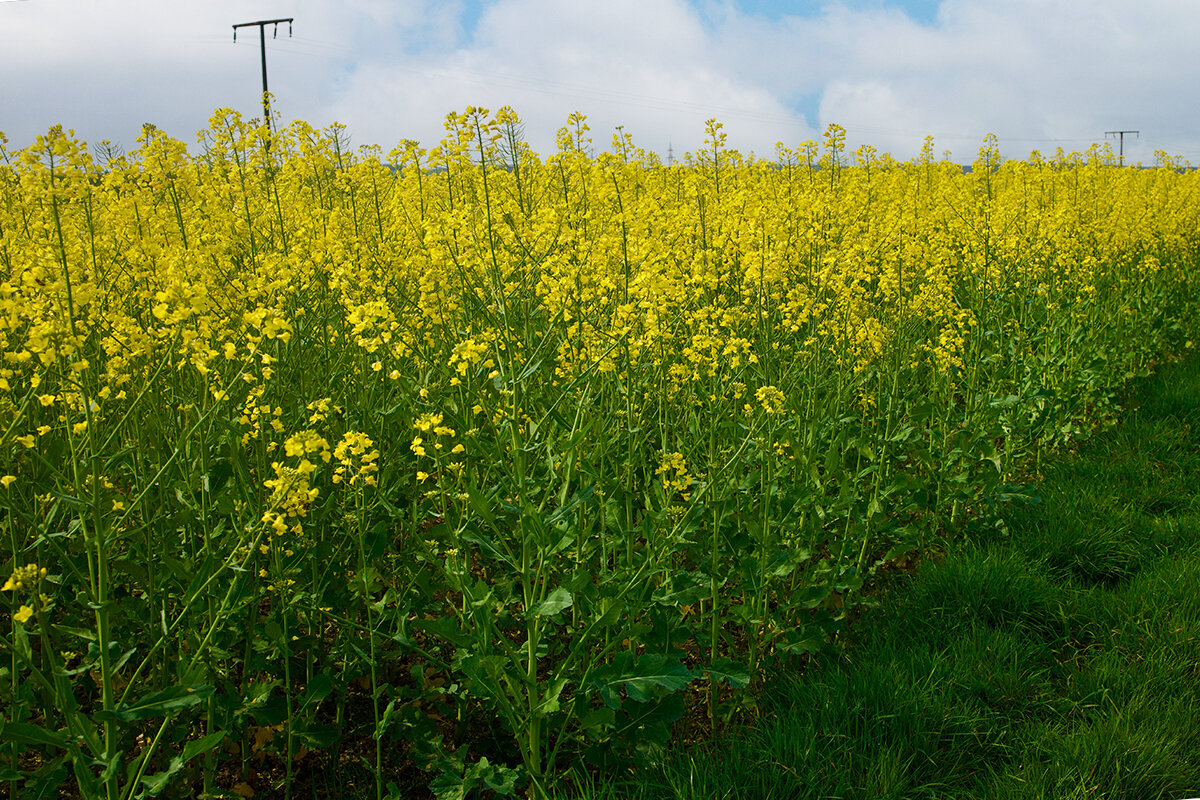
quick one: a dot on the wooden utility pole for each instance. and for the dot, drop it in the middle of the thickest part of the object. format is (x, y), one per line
(262, 43)
(1121, 146)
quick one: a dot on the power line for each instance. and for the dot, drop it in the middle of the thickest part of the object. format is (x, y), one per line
(262, 44)
(1121, 147)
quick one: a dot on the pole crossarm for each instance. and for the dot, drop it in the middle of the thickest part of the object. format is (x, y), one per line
(264, 22)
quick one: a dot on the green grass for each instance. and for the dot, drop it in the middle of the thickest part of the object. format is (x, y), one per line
(1059, 660)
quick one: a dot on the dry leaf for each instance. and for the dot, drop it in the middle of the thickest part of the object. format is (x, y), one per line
(263, 735)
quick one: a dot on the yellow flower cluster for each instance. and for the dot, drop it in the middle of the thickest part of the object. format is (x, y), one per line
(673, 471)
(207, 356)
(466, 354)
(291, 495)
(255, 304)
(771, 399)
(292, 491)
(24, 578)
(357, 459)
(27, 579)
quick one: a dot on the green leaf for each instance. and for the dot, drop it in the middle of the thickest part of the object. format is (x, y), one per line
(196, 747)
(385, 720)
(257, 693)
(599, 720)
(445, 628)
(550, 700)
(729, 671)
(683, 588)
(609, 611)
(479, 504)
(112, 767)
(25, 733)
(448, 787)
(88, 785)
(805, 640)
(497, 777)
(68, 500)
(783, 562)
(317, 690)
(132, 567)
(87, 634)
(648, 722)
(488, 547)
(531, 368)
(652, 675)
(578, 498)
(157, 782)
(318, 736)
(158, 704)
(21, 644)
(558, 600)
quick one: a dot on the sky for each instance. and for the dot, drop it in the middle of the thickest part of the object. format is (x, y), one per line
(1039, 74)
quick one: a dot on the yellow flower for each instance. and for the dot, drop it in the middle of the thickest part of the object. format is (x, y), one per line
(356, 450)
(7, 480)
(427, 422)
(674, 471)
(771, 398)
(23, 614)
(46, 399)
(23, 578)
(307, 442)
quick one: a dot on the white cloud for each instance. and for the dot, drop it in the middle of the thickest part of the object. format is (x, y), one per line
(644, 65)
(1038, 74)
(1032, 71)
(104, 68)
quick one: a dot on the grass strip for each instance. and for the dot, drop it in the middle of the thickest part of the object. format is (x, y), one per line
(1058, 659)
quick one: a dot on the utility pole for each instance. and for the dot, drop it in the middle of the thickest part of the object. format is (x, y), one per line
(1121, 146)
(262, 43)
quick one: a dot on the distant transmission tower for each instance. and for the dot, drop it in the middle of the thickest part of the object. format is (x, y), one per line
(670, 154)
(262, 43)
(1121, 146)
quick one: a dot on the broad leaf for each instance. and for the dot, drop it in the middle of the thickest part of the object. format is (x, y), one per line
(317, 690)
(158, 704)
(646, 677)
(558, 600)
(729, 671)
(25, 733)
(157, 782)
